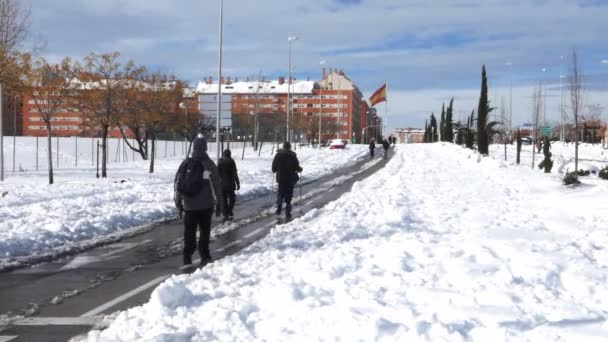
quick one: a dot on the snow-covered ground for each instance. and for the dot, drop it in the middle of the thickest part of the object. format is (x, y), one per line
(37, 219)
(439, 245)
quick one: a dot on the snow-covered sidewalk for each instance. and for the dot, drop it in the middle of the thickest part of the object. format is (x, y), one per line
(37, 219)
(438, 245)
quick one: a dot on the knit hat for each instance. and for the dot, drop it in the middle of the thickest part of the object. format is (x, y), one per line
(286, 145)
(199, 146)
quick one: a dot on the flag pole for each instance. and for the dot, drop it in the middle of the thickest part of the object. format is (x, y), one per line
(386, 109)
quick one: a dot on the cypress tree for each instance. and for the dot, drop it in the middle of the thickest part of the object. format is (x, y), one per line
(470, 137)
(482, 115)
(433, 128)
(449, 129)
(442, 123)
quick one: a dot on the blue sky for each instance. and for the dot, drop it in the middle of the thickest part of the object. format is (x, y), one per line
(426, 50)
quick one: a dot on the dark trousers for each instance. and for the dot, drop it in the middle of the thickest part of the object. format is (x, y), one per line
(385, 153)
(192, 220)
(229, 199)
(371, 153)
(285, 194)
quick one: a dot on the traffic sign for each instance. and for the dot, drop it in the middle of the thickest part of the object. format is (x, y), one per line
(545, 131)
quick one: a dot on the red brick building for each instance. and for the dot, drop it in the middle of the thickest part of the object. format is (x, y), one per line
(335, 97)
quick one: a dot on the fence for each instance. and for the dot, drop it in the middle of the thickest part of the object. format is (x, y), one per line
(30, 153)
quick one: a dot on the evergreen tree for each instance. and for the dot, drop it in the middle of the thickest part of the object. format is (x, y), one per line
(483, 111)
(449, 129)
(442, 123)
(433, 128)
(470, 135)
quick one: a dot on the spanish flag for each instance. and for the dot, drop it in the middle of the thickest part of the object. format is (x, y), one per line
(378, 96)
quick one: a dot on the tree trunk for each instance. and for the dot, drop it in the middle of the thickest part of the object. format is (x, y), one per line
(152, 153)
(104, 155)
(49, 152)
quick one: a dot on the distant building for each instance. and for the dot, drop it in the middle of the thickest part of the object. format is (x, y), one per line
(335, 97)
(409, 135)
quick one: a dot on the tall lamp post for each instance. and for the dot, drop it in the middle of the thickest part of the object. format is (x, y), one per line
(289, 40)
(320, 104)
(510, 65)
(544, 100)
(219, 83)
(561, 99)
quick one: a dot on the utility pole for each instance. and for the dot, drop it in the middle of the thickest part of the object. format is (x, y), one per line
(219, 85)
(321, 103)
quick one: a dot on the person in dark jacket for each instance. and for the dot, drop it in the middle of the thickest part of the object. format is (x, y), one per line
(230, 182)
(286, 166)
(386, 146)
(372, 148)
(199, 208)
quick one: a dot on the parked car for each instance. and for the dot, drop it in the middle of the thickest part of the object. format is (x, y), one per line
(526, 141)
(337, 144)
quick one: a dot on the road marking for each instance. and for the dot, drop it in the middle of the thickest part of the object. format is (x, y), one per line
(91, 320)
(7, 338)
(80, 261)
(255, 232)
(233, 243)
(124, 297)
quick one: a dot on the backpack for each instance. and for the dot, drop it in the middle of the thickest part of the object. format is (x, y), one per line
(189, 179)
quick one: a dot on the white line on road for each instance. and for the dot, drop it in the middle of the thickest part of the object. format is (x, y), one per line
(125, 296)
(219, 250)
(255, 232)
(90, 320)
(7, 338)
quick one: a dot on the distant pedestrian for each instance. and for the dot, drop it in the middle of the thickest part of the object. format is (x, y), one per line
(197, 193)
(286, 166)
(230, 182)
(372, 148)
(386, 146)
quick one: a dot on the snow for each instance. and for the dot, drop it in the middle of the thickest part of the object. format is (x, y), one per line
(38, 220)
(257, 87)
(440, 245)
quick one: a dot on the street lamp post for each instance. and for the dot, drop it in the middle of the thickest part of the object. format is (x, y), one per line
(183, 106)
(544, 100)
(219, 83)
(289, 40)
(510, 65)
(561, 98)
(320, 104)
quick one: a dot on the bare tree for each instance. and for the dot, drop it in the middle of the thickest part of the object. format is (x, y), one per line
(103, 78)
(159, 99)
(49, 86)
(575, 84)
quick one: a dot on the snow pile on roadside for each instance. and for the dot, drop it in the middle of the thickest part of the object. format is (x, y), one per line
(439, 245)
(41, 219)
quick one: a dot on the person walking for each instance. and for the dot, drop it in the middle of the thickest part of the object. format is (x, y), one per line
(386, 146)
(197, 193)
(286, 166)
(230, 182)
(372, 148)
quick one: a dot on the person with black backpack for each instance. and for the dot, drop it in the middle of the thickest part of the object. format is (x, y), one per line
(197, 193)
(286, 165)
(230, 182)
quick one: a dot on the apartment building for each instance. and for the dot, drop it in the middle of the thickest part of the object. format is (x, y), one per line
(335, 98)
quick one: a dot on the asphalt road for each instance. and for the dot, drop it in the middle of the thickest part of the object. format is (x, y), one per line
(57, 300)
